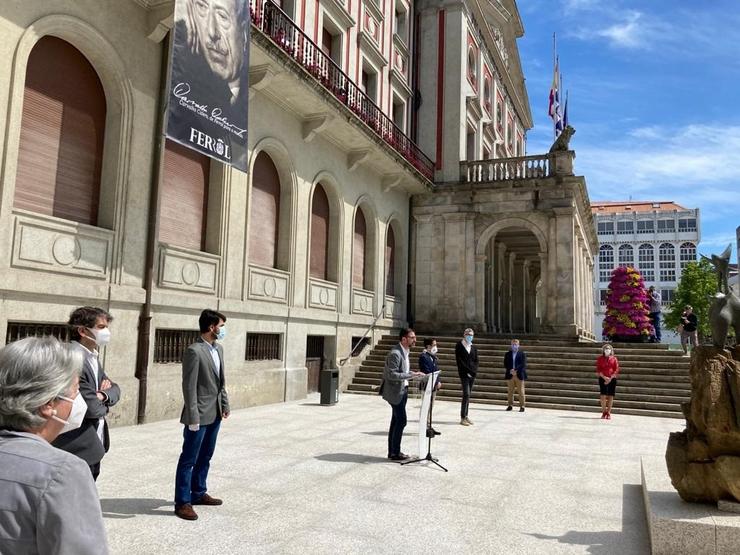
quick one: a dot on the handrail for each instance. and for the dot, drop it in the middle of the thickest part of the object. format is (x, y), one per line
(284, 32)
(343, 361)
(504, 169)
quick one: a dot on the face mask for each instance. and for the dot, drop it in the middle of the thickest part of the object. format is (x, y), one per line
(433, 350)
(607, 352)
(221, 333)
(469, 338)
(102, 337)
(515, 348)
(76, 415)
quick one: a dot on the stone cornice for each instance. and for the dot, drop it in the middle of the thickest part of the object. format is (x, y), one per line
(370, 49)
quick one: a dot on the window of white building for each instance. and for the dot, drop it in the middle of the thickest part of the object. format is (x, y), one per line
(625, 227)
(606, 228)
(602, 296)
(667, 262)
(667, 295)
(687, 224)
(645, 226)
(626, 255)
(666, 226)
(687, 253)
(606, 262)
(646, 261)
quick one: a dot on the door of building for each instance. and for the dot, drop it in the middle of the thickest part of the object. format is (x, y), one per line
(314, 361)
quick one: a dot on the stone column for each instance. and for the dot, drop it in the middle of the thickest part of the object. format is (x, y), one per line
(509, 303)
(577, 283)
(518, 290)
(563, 290)
(544, 291)
(526, 280)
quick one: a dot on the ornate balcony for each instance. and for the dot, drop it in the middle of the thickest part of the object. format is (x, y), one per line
(283, 31)
(520, 167)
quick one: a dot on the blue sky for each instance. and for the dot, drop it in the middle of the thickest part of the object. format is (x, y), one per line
(654, 97)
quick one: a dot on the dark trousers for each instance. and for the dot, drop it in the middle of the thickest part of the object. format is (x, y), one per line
(398, 423)
(195, 460)
(95, 470)
(467, 390)
(656, 324)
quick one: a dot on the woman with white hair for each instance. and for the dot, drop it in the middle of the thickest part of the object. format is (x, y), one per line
(48, 498)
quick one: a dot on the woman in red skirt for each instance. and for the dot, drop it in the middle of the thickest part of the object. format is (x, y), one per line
(607, 368)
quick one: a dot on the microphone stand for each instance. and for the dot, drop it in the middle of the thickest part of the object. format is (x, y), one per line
(430, 435)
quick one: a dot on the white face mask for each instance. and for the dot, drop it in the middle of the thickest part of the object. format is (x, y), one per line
(102, 336)
(433, 350)
(76, 415)
(607, 352)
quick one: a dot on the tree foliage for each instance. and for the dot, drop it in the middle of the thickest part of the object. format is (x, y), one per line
(697, 286)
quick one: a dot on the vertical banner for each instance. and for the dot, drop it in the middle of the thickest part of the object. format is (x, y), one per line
(209, 89)
(426, 403)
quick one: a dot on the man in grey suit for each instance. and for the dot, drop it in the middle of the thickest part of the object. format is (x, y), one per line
(396, 375)
(89, 330)
(206, 404)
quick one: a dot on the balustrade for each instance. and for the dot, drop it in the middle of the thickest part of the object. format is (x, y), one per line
(506, 169)
(284, 32)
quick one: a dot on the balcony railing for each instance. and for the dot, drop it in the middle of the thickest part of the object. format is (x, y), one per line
(505, 169)
(277, 25)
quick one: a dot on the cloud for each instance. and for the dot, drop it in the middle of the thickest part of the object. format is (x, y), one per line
(631, 30)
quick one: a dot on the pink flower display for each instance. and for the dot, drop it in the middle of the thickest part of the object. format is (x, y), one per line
(627, 307)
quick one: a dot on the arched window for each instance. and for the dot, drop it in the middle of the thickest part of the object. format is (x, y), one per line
(646, 261)
(60, 152)
(318, 266)
(606, 262)
(390, 263)
(184, 198)
(264, 212)
(667, 262)
(687, 254)
(626, 255)
(472, 65)
(359, 251)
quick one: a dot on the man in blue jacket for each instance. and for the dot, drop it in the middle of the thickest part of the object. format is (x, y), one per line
(515, 362)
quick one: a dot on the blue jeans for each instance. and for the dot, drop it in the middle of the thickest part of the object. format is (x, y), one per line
(398, 423)
(195, 460)
(656, 324)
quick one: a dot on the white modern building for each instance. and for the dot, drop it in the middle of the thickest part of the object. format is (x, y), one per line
(659, 238)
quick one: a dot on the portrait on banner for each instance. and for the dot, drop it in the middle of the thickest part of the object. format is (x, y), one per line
(209, 89)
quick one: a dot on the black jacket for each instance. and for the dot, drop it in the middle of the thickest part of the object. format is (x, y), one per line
(467, 363)
(84, 441)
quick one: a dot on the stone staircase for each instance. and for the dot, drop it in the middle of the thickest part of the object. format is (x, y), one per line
(562, 375)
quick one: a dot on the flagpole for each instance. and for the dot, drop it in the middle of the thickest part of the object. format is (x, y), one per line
(555, 66)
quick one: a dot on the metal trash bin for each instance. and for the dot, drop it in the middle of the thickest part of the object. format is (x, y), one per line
(329, 386)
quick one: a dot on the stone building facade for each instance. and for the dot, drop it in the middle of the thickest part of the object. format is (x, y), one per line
(316, 244)
(659, 238)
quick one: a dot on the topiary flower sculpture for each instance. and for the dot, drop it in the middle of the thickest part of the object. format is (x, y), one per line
(627, 307)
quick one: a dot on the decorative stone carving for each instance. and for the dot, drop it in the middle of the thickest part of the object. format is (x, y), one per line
(322, 294)
(46, 243)
(562, 143)
(362, 301)
(704, 460)
(268, 284)
(498, 38)
(187, 270)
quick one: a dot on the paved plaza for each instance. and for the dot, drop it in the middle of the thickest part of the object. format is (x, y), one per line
(300, 477)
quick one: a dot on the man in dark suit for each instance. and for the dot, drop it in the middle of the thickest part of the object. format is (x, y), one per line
(466, 356)
(89, 331)
(515, 362)
(206, 404)
(396, 375)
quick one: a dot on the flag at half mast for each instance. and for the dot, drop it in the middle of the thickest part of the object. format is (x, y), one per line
(554, 107)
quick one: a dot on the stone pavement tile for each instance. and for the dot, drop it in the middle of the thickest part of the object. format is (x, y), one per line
(299, 476)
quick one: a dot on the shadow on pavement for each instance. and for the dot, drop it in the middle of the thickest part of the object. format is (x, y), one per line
(608, 542)
(127, 507)
(351, 457)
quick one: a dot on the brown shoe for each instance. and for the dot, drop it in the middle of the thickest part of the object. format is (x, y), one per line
(208, 500)
(186, 512)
